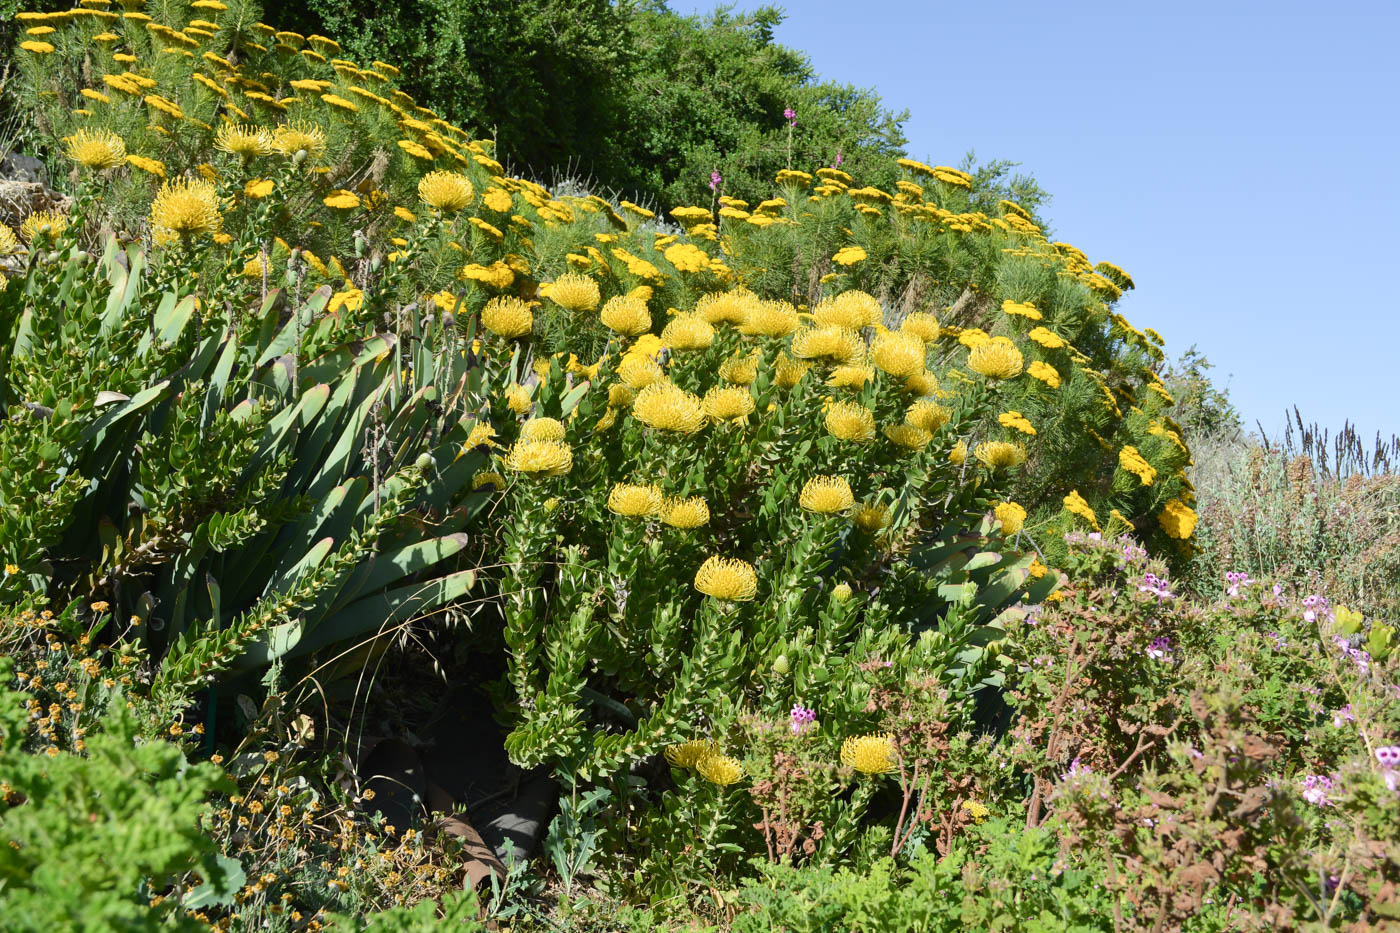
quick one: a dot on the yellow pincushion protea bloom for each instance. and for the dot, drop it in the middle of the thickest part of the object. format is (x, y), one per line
(1012, 517)
(517, 398)
(851, 375)
(186, 208)
(95, 149)
(958, 455)
(788, 372)
(922, 325)
(574, 292)
(448, 192)
(688, 332)
(1016, 420)
(728, 579)
(542, 429)
(827, 495)
(668, 407)
(633, 500)
(927, 415)
(827, 341)
(42, 224)
(685, 513)
(291, 138)
(924, 383)
(740, 370)
(732, 403)
(731, 307)
(1177, 519)
(908, 436)
(851, 310)
(620, 396)
(720, 769)
(770, 319)
(688, 754)
(639, 371)
(1045, 373)
(488, 478)
(1135, 463)
(871, 517)
(507, 316)
(869, 754)
(999, 455)
(626, 315)
(540, 458)
(851, 421)
(998, 358)
(1077, 505)
(246, 142)
(898, 353)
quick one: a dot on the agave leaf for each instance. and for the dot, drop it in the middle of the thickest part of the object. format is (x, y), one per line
(295, 564)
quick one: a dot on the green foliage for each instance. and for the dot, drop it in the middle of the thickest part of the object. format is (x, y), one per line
(455, 912)
(90, 839)
(1203, 409)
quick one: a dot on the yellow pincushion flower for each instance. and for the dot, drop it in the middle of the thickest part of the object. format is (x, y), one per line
(871, 517)
(908, 436)
(42, 224)
(922, 325)
(574, 292)
(488, 478)
(633, 500)
(620, 396)
(507, 316)
(542, 429)
(850, 421)
(788, 372)
(246, 142)
(719, 769)
(869, 754)
(827, 341)
(731, 403)
(898, 353)
(740, 370)
(999, 455)
(851, 375)
(1047, 338)
(1016, 420)
(291, 138)
(728, 579)
(626, 315)
(1045, 373)
(186, 208)
(448, 192)
(924, 383)
(927, 415)
(726, 307)
(1077, 505)
(9, 243)
(95, 149)
(540, 458)
(517, 398)
(958, 455)
(1011, 516)
(769, 319)
(826, 495)
(1131, 460)
(685, 513)
(688, 332)
(998, 358)
(688, 754)
(1177, 519)
(668, 407)
(640, 371)
(851, 310)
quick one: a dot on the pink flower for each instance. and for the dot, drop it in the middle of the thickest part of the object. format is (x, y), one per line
(802, 718)
(790, 115)
(715, 179)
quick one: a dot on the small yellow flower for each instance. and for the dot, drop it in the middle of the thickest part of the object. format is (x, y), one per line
(869, 754)
(826, 495)
(542, 429)
(507, 316)
(41, 224)
(1021, 309)
(1045, 373)
(1133, 462)
(96, 149)
(727, 579)
(1011, 516)
(36, 46)
(1077, 505)
(685, 513)
(634, 501)
(849, 256)
(1014, 419)
(1177, 519)
(976, 810)
(574, 292)
(688, 754)
(719, 769)
(850, 421)
(11, 570)
(540, 458)
(841, 592)
(998, 358)
(342, 200)
(186, 208)
(668, 407)
(1000, 455)
(258, 187)
(626, 315)
(1047, 338)
(149, 166)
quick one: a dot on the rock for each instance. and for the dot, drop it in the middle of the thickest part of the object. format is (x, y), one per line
(17, 167)
(22, 190)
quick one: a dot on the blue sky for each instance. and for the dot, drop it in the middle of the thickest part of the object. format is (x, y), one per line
(1243, 166)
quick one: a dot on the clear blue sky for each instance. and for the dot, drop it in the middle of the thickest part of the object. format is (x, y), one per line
(1243, 166)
